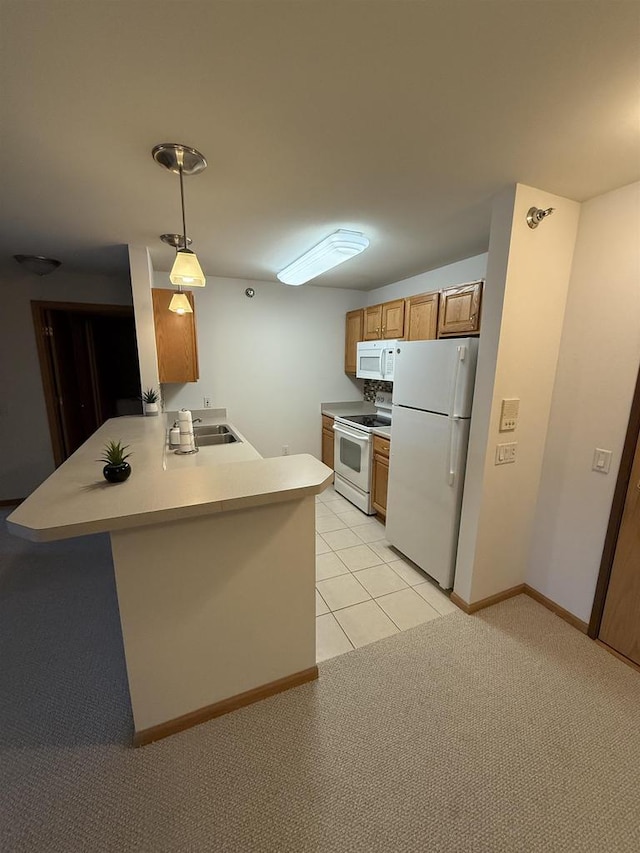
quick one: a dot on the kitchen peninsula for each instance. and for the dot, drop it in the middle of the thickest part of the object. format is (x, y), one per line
(214, 565)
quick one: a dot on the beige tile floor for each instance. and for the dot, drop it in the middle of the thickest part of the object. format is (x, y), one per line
(365, 590)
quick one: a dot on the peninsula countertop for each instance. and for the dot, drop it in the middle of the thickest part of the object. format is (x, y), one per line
(75, 500)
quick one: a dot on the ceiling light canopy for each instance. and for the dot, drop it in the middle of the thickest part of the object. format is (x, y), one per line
(328, 253)
(180, 304)
(183, 160)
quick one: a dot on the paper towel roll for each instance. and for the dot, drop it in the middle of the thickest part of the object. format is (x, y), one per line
(185, 423)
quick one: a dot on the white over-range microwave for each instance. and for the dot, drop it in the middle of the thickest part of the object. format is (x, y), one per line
(376, 359)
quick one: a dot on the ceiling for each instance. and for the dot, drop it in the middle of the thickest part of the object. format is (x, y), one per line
(399, 119)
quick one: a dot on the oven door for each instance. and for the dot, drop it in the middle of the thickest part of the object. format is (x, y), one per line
(352, 457)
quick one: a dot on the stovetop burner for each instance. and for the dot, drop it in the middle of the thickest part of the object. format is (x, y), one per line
(370, 421)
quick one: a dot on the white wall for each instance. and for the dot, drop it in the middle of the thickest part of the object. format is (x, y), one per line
(141, 271)
(524, 302)
(597, 370)
(27, 458)
(271, 360)
(461, 272)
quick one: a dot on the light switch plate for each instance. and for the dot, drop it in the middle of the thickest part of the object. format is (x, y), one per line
(506, 453)
(509, 414)
(601, 460)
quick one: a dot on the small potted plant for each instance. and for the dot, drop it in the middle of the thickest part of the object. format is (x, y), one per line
(150, 399)
(117, 469)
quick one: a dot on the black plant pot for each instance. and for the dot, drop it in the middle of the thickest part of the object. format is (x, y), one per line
(117, 473)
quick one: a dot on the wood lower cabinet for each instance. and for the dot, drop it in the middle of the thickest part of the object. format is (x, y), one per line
(354, 329)
(459, 312)
(380, 479)
(175, 339)
(421, 317)
(327, 441)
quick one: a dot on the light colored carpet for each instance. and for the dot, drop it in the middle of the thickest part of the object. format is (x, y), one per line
(507, 731)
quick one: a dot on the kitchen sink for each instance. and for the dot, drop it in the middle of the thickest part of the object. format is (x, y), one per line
(208, 439)
(211, 429)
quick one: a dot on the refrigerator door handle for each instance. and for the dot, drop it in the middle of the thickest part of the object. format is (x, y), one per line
(462, 352)
(453, 420)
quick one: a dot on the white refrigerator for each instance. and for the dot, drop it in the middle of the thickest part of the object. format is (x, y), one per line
(432, 397)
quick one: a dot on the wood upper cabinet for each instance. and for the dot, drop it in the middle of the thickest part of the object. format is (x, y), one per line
(327, 440)
(354, 328)
(421, 317)
(385, 321)
(393, 319)
(459, 312)
(380, 480)
(372, 323)
(175, 339)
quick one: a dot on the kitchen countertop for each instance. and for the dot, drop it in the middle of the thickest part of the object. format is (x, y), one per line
(383, 432)
(75, 500)
(338, 410)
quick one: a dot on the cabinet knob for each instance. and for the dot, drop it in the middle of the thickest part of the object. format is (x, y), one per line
(383, 330)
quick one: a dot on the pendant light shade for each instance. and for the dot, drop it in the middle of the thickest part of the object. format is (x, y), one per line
(180, 304)
(186, 270)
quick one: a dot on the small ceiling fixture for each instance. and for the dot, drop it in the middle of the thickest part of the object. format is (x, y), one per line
(535, 215)
(183, 161)
(328, 253)
(38, 264)
(179, 302)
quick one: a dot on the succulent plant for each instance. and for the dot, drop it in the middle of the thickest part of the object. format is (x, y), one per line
(150, 396)
(113, 453)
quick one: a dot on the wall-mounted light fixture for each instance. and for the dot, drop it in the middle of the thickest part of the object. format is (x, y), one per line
(535, 215)
(328, 253)
(183, 160)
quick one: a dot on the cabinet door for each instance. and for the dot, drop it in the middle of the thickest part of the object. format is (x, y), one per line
(175, 339)
(460, 310)
(372, 322)
(380, 483)
(327, 441)
(353, 333)
(421, 317)
(393, 319)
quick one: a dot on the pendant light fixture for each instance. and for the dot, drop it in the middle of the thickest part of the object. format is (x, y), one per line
(179, 301)
(183, 160)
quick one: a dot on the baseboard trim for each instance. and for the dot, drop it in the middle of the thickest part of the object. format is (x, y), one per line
(556, 608)
(209, 712)
(518, 590)
(12, 501)
(618, 655)
(486, 602)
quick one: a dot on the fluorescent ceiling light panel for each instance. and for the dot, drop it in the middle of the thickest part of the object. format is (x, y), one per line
(330, 252)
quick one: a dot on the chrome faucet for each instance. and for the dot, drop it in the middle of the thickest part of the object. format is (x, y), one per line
(194, 421)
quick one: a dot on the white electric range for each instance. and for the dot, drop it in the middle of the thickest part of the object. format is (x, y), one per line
(353, 452)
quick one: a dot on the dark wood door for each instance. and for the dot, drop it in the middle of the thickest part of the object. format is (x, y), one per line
(620, 627)
(73, 361)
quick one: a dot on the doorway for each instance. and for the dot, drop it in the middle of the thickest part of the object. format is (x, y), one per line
(615, 620)
(89, 365)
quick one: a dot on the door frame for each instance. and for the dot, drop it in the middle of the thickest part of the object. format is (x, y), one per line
(615, 518)
(38, 309)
